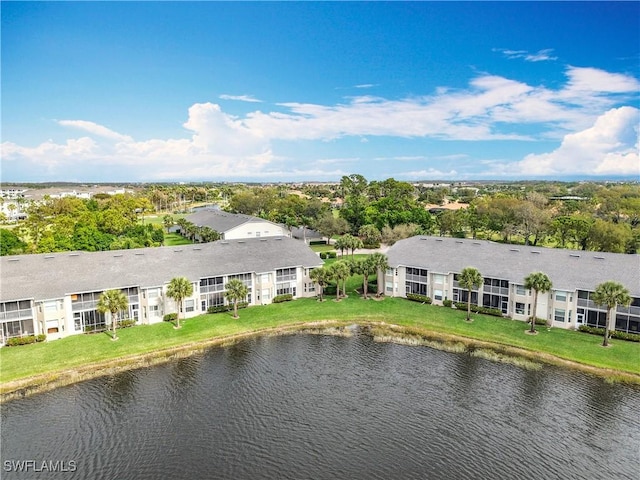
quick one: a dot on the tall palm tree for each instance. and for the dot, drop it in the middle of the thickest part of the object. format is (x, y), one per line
(179, 288)
(539, 283)
(236, 290)
(321, 277)
(610, 294)
(469, 278)
(339, 271)
(365, 267)
(113, 301)
(381, 263)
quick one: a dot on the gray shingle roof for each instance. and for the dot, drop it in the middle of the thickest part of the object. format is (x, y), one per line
(567, 269)
(221, 221)
(49, 276)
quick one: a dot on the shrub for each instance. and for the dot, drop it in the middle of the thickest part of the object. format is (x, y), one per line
(631, 337)
(323, 255)
(225, 308)
(478, 309)
(414, 297)
(282, 298)
(94, 328)
(332, 254)
(127, 322)
(447, 303)
(372, 245)
(26, 340)
(170, 317)
(539, 321)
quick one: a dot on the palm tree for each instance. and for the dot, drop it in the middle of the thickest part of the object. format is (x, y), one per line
(339, 271)
(320, 276)
(469, 278)
(379, 260)
(179, 288)
(341, 244)
(113, 301)
(168, 222)
(365, 267)
(539, 283)
(610, 294)
(236, 290)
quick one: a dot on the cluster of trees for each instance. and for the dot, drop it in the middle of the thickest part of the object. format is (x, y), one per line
(191, 230)
(101, 223)
(341, 270)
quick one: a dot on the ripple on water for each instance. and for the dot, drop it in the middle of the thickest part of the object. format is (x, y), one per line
(331, 407)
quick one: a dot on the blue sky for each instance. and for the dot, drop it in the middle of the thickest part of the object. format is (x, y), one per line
(288, 91)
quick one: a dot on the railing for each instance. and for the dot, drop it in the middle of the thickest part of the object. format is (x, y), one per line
(88, 305)
(212, 288)
(416, 278)
(24, 314)
(496, 290)
(286, 278)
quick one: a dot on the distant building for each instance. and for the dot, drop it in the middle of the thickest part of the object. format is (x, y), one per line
(234, 226)
(57, 294)
(430, 266)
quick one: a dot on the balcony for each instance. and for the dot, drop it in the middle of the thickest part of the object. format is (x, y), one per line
(25, 314)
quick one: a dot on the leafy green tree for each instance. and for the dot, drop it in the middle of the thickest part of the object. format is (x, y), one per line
(236, 291)
(328, 226)
(538, 282)
(10, 243)
(114, 302)
(167, 222)
(610, 294)
(607, 236)
(469, 279)
(178, 289)
(321, 277)
(370, 235)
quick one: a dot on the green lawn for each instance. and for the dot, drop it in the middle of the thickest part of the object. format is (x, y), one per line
(173, 239)
(76, 351)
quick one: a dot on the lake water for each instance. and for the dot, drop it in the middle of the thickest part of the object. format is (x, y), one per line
(321, 407)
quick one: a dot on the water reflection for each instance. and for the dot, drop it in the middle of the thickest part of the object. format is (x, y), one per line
(329, 407)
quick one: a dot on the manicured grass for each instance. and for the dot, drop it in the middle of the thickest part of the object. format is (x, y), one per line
(76, 351)
(322, 248)
(173, 239)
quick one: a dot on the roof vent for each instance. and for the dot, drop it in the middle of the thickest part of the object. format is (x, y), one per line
(459, 241)
(224, 243)
(535, 251)
(423, 238)
(118, 255)
(263, 239)
(179, 250)
(197, 248)
(139, 253)
(514, 249)
(278, 238)
(477, 243)
(574, 255)
(74, 254)
(14, 259)
(599, 258)
(49, 256)
(241, 241)
(438, 239)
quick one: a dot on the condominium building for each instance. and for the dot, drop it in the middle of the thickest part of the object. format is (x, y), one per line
(430, 266)
(57, 294)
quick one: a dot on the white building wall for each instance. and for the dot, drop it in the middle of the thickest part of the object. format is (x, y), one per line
(255, 229)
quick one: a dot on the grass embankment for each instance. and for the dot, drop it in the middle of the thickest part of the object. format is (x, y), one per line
(42, 363)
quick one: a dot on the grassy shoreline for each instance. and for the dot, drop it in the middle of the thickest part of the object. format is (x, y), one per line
(31, 368)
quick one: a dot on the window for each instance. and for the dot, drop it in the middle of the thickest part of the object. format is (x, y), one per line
(561, 296)
(190, 305)
(437, 278)
(153, 293)
(520, 290)
(520, 308)
(437, 294)
(558, 315)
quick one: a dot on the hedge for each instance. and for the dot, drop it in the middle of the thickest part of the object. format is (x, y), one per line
(631, 337)
(127, 322)
(282, 298)
(226, 308)
(478, 309)
(447, 303)
(170, 317)
(15, 341)
(414, 297)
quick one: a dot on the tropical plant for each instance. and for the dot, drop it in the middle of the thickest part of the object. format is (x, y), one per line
(340, 271)
(179, 288)
(381, 264)
(167, 222)
(469, 279)
(236, 291)
(113, 301)
(321, 277)
(365, 267)
(539, 283)
(610, 294)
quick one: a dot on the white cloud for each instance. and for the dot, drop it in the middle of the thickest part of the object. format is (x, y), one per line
(240, 98)
(609, 147)
(490, 108)
(539, 56)
(95, 129)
